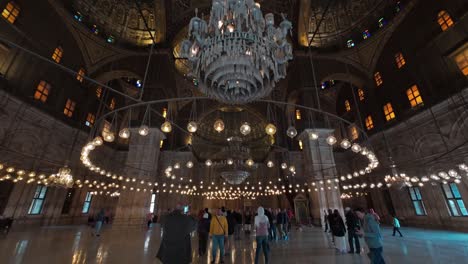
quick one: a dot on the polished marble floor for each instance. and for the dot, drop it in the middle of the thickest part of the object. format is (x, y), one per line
(72, 244)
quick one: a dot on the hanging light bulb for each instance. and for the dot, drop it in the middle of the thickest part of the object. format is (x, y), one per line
(270, 164)
(345, 144)
(292, 168)
(192, 127)
(331, 140)
(284, 165)
(189, 164)
(124, 133)
(98, 141)
(208, 163)
(143, 130)
(166, 127)
(218, 125)
(177, 166)
(291, 132)
(313, 136)
(108, 136)
(245, 129)
(270, 129)
(250, 162)
(230, 161)
(355, 148)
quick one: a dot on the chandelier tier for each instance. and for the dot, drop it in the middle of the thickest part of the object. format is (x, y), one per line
(239, 55)
(63, 178)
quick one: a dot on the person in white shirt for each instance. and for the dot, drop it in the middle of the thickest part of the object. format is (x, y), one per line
(262, 225)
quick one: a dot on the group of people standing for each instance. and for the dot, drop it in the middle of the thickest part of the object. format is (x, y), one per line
(220, 227)
(359, 223)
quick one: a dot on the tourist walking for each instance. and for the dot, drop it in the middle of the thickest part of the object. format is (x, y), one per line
(262, 226)
(281, 223)
(176, 247)
(238, 227)
(98, 220)
(203, 231)
(231, 228)
(352, 222)
(271, 228)
(396, 226)
(338, 230)
(218, 233)
(372, 235)
(325, 220)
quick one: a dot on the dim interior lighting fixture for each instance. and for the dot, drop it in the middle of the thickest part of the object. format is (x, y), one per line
(270, 164)
(108, 136)
(331, 140)
(291, 132)
(124, 133)
(166, 127)
(63, 178)
(192, 127)
(238, 55)
(345, 144)
(356, 148)
(270, 129)
(189, 164)
(230, 161)
(218, 125)
(143, 130)
(250, 162)
(313, 136)
(208, 163)
(284, 166)
(245, 129)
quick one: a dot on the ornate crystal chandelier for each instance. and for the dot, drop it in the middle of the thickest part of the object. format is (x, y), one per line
(63, 178)
(235, 177)
(239, 55)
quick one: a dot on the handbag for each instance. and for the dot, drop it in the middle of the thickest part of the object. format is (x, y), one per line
(224, 231)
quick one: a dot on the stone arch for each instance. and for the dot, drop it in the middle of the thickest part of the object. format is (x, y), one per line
(459, 127)
(426, 143)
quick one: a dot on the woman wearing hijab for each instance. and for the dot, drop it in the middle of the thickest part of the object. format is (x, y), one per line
(338, 230)
(262, 226)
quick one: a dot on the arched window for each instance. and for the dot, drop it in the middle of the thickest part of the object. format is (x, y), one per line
(444, 20)
(11, 12)
(361, 94)
(58, 54)
(347, 106)
(414, 96)
(400, 60)
(369, 122)
(378, 78)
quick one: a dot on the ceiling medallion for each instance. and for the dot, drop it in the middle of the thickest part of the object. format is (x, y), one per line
(239, 55)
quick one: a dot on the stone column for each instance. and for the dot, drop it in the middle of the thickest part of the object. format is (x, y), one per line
(141, 164)
(320, 165)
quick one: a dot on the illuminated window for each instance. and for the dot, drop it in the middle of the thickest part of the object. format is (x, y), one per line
(400, 60)
(378, 78)
(11, 12)
(87, 203)
(369, 123)
(388, 111)
(112, 104)
(361, 94)
(99, 92)
(418, 204)
(58, 54)
(354, 132)
(42, 91)
(454, 200)
(69, 108)
(444, 20)
(90, 119)
(462, 61)
(38, 200)
(164, 112)
(80, 75)
(347, 106)
(414, 96)
(298, 114)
